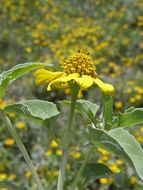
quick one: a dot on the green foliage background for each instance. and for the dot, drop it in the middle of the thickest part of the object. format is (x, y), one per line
(50, 31)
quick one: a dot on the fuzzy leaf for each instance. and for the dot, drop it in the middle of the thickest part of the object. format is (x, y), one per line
(130, 117)
(38, 110)
(122, 143)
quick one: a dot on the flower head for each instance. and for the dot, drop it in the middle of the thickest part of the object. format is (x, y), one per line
(78, 69)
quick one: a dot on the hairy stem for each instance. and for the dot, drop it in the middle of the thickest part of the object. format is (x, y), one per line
(17, 139)
(66, 139)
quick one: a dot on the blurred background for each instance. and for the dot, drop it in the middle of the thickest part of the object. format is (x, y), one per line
(50, 31)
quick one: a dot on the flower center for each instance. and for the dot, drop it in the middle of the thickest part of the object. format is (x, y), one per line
(79, 63)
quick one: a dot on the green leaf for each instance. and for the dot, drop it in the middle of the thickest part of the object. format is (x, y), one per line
(132, 117)
(14, 73)
(107, 111)
(97, 171)
(11, 186)
(85, 107)
(38, 110)
(122, 143)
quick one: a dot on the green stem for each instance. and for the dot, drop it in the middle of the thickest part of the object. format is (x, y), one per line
(17, 139)
(107, 111)
(66, 139)
(79, 173)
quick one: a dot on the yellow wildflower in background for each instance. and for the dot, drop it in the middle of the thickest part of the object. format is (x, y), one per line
(103, 152)
(2, 104)
(28, 174)
(58, 152)
(78, 69)
(3, 176)
(12, 177)
(54, 144)
(76, 155)
(104, 181)
(9, 141)
(118, 105)
(114, 167)
(20, 125)
(133, 180)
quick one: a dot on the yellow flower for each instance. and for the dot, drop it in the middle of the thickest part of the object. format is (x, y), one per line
(20, 125)
(118, 105)
(3, 176)
(58, 152)
(103, 152)
(28, 49)
(119, 162)
(104, 181)
(54, 144)
(133, 180)
(28, 174)
(9, 142)
(12, 176)
(2, 104)
(78, 69)
(76, 155)
(114, 167)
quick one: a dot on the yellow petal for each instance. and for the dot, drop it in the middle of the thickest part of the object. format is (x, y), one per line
(43, 76)
(85, 81)
(106, 88)
(62, 82)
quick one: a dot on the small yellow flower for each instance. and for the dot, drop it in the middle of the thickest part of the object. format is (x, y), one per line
(76, 155)
(103, 152)
(3, 176)
(54, 144)
(21, 125)
(28, 174)
(104, 181)
(132, 100)
(118, 105)
(2, 104)
(105, 158)
(12, 177)
(133, 180)
(9, 141)
(114, 167)
(28, 49)
(59, 152)
(78, 69)
(119, 162)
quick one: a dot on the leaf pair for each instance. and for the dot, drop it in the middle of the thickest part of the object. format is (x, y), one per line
(38, 110)
(121, 143)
